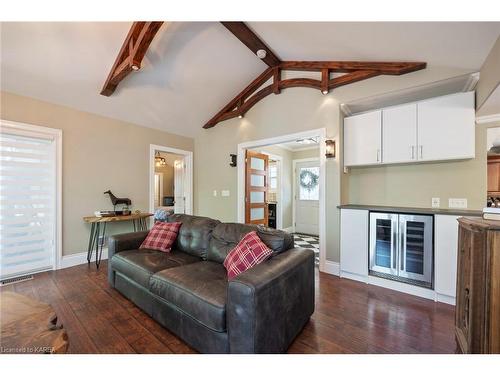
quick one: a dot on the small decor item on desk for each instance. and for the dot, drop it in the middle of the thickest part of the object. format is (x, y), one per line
(125, 211)
(116, 201)
(249, 252)
(162, 236)
(104, 213)
(491, 213)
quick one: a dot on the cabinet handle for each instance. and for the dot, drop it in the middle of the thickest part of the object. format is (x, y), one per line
(421, 151)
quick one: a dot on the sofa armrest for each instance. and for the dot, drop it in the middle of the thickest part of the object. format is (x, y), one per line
(269, 304)
(121, 242)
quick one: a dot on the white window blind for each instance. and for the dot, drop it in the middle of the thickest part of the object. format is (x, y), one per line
(27, 200)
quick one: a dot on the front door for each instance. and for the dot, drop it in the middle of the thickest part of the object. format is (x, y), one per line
(256, 188)
(307, 197)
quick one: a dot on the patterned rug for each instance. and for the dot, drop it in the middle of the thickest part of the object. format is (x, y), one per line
(308, 241)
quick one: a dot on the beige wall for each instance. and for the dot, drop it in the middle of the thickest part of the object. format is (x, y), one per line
(294, 110)
(168, 180)
(99, 153)
(489, 77)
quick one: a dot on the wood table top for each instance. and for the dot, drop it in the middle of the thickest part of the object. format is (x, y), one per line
(29, 326)
(95, 219)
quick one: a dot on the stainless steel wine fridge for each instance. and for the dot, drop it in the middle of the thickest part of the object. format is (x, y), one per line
(401, 247)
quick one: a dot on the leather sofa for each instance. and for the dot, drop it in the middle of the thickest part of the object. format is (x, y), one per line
(187, 291)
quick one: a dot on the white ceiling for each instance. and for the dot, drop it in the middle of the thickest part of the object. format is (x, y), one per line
(298, 146)
(193, 69)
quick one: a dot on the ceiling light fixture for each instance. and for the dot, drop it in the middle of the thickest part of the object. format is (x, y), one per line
(240, 116)
(135, 67)
(261, 53)
(324, 92)
(159, 161)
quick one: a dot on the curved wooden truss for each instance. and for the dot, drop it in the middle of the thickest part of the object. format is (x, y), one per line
(355, 71)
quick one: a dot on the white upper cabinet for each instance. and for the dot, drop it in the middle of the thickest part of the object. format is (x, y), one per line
(441, 128)
(446, 127)
(363, 139)
(399, 134)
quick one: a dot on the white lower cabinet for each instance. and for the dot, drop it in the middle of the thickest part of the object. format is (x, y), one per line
(354, 244)
(445, 257)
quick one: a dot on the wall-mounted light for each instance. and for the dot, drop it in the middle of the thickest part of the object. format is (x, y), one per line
(324, 92)
(330, 148)
(135, 67)
(234, 159)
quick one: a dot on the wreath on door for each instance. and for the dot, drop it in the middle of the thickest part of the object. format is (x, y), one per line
(308, 180)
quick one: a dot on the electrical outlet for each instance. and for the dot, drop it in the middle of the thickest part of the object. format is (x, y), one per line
(215, 193)
(436, 202)
(457, 203)
(225, 193)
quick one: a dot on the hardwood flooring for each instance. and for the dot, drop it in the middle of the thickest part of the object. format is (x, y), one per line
(350, 317)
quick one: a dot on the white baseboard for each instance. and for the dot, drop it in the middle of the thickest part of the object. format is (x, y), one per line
(333, 268)
(354, 276)
(289, 229)
(445, 299)
(79, 258)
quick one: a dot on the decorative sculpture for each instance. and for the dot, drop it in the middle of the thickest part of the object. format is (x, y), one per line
(115, 201)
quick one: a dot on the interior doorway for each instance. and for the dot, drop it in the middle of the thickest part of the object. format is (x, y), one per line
(170, 181)
(292, 191)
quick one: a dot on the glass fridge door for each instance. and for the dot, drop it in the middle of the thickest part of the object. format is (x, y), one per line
(415, 259)
(383, 242)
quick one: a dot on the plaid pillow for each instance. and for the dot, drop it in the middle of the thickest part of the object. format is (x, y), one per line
(162, 236)
(249, 252)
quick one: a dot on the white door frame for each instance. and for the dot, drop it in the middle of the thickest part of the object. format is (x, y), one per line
(321, 134)
(188, 183)
(56, 135)
(294, 189)
(279, 203)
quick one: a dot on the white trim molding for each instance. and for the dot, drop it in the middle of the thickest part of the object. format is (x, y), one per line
(331, 267)
(188, 183)
(321, 134)
(487, 119)
(55, 135)
(72, 260)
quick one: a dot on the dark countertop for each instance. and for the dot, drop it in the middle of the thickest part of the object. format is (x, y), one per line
(414, 210)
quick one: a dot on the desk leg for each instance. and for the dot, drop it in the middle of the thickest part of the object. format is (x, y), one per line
(98, 252)
(135, 229)
(91, 242)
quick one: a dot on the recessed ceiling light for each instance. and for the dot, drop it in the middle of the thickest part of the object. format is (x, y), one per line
(135, 67)
(240, 116)
(324, 92)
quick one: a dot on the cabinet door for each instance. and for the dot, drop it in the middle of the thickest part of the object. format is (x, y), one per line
(399, 134)
(354, 243)
(446, 127)
(446, 244)
(363, 139)
(494, 175)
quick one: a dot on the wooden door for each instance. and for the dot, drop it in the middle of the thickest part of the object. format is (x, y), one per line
(399, 134)
(257, 180)
(493, 174)
(307, 199)
(363, 139)
(446, 127)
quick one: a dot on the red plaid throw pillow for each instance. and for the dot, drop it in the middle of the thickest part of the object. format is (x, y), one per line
(162, 236)
(249, 252)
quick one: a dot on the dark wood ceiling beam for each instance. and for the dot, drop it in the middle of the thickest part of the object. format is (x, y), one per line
(241, 31)
(276, 80)
(325, 77)
(352, 77)
(131, 53)
(388, 68)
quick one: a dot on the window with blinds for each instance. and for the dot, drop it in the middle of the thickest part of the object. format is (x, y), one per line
(28, 204)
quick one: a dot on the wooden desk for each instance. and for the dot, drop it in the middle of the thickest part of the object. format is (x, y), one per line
(29, 326)
(139, 221)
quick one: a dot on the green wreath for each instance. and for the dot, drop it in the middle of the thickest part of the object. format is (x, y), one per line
(308, 180)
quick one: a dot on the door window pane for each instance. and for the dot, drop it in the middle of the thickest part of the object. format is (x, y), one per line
(257, 214)
(256, 197)
(383, 243)
(257, 163)
(309, 183)
(257, 180)
(273, 177)
(414, 255)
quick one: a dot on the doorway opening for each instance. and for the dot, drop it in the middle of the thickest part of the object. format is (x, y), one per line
(170, 182)
(493, 160)
(281, 184)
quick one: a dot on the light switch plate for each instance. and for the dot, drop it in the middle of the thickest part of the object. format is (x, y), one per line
(436, 202)
(225, 193)
(215, 193)
(457, 203)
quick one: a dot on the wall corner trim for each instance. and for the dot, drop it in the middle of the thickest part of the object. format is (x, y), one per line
(488, 118)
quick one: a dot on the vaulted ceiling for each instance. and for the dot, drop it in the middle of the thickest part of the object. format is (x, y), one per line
(193, 69)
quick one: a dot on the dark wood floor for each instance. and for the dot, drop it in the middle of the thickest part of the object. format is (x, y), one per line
(350, 317)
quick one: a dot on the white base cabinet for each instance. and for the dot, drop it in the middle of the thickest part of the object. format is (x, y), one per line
(354, 244)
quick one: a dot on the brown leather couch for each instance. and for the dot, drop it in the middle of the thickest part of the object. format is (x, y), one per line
(260, 311)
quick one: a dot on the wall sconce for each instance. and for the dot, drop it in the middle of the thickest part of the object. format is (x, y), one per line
(330, 148)
(234, 159)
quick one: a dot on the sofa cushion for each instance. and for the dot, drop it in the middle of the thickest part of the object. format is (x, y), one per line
(140, 264)
(194, 234)
(226, 236)
(161, 237)
(249, 252)
(198, 289)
